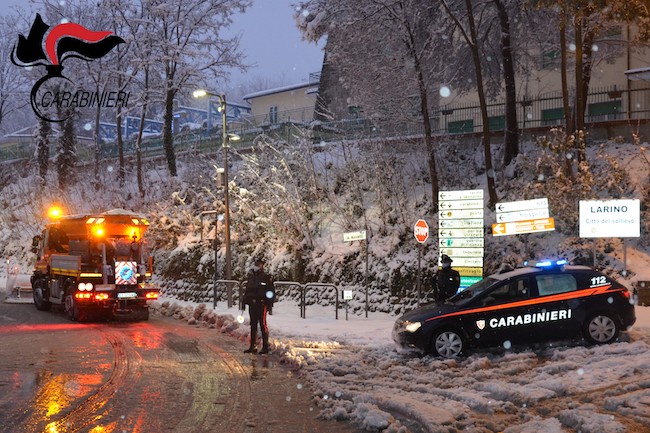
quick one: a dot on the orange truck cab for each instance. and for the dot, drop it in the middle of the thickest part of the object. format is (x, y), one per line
(94, 265)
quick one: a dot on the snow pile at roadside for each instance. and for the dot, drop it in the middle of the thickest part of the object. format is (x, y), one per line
(356, 375)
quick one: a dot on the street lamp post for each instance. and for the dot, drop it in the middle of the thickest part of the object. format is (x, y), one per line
(226, 193)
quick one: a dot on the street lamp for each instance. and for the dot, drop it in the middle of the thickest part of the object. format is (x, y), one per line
(225, 141)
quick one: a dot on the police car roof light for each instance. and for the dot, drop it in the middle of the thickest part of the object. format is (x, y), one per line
(551, 263)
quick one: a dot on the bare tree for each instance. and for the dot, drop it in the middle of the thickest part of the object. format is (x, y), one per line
(13, 82)
(383, 51)
(588, 20)
(469, 33)
(189, 44)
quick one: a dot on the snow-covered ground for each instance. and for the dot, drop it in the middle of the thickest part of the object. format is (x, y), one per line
(357, 375)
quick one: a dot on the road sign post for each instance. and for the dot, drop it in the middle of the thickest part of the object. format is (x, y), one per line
(360, 236)
(421, 233)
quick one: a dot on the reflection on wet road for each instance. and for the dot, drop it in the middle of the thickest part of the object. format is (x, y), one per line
(155, 376)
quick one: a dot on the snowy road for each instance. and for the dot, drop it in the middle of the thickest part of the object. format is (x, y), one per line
(357, 376)
(148, 377)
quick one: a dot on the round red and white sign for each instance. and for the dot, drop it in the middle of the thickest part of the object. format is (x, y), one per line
(421, 231)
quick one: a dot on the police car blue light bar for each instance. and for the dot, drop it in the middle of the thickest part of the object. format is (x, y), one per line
(550, 263)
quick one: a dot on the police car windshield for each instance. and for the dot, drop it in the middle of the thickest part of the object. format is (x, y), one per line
(472, 291)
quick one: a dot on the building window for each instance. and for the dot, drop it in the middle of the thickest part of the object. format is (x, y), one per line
(354, 112)
(552, 116)
(497, 123)
(600, 111)
(550, 59)
(273, 114)
(613, 32)
(460, 126)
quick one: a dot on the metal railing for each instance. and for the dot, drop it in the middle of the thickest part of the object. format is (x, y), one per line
(303, 288)
(604, 105)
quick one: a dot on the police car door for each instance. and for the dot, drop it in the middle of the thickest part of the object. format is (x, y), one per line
(493, 320)
(553, 313)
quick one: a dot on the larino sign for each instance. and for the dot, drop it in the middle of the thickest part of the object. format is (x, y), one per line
(610, 219)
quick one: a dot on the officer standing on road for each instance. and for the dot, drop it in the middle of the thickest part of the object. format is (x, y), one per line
(259, 296)
(446, 281)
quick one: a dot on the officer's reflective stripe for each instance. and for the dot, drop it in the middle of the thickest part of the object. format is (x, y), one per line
(583, 293)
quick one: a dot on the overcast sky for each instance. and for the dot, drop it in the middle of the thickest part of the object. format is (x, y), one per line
(270, 41)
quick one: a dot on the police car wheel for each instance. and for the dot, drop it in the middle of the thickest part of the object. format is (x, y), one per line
(448, 344)
(601, 329)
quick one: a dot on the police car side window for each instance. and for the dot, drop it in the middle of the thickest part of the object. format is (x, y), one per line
(555, 283)
(515, 290)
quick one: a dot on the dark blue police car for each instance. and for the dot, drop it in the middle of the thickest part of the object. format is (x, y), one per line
(548, 301)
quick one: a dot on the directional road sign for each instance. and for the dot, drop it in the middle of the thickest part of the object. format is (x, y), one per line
(513, 206)
(465, 282)
(460, 229)
(461, 204)
(460, 233)
(522, 215)
(461, 224)
(354, 236)
(461, 214)
(520, 227)
(462, 252)
(472, 262)
(462, 243)
(471, 194)
(469, 271)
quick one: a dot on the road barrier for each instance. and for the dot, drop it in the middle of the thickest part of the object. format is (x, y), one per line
(303, 288)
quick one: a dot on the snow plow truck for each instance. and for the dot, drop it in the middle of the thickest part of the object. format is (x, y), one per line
(94, 266)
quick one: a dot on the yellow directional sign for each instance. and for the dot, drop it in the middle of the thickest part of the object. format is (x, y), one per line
(520, 227)
(467, 271)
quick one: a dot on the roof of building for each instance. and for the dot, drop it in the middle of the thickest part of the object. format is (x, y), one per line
(638, 73)
(280, 90)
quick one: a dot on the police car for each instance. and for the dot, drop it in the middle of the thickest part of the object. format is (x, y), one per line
(548, 301)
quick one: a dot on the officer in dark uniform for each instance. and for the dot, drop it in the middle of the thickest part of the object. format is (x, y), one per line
(259, 296)
(446, 281)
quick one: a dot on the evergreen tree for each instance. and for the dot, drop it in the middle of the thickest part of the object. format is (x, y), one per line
(66, 157)
(43, 149)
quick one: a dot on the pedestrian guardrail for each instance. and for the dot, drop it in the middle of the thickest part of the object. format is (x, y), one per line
(303, 288)
(321, 285)
(229, 286)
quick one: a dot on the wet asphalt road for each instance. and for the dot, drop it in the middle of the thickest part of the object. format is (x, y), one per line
(162, 375)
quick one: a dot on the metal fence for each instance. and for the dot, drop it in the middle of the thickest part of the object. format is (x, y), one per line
(604, 105)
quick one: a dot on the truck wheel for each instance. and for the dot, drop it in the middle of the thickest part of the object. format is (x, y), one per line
(39, 296)
(72, 310)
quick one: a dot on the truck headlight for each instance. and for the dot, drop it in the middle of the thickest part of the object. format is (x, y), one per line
(412, 326)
